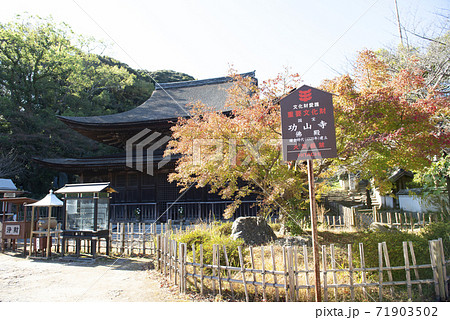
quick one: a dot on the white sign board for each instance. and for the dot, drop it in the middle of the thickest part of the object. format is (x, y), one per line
(12, 230)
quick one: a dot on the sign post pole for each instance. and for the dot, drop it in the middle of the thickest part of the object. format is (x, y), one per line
(308, 133)
(315, 240)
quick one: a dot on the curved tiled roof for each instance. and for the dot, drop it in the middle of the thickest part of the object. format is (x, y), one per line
(168, 101)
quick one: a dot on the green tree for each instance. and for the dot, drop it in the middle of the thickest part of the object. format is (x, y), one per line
(164, 76)
(44, 73)
(435, 181)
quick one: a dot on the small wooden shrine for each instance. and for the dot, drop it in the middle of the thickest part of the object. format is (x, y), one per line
(86, 214)
(41, 239)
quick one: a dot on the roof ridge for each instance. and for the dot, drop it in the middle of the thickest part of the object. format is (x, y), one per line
(194, 83)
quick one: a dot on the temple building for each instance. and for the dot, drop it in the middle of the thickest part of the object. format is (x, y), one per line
(139, 174)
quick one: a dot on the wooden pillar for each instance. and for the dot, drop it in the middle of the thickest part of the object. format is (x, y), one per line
(31, 232)
(49, 243)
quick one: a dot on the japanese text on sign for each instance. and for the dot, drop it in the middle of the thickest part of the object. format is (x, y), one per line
(12, 230)
(308, 125)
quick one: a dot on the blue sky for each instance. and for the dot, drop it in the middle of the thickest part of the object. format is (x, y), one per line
(317, 39)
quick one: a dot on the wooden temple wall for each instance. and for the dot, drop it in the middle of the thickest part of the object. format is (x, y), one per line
(143, 197)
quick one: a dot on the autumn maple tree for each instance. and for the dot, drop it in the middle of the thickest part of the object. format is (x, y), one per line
(387, 120)
(238, 153)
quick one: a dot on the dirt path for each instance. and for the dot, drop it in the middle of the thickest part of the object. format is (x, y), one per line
(25, 280)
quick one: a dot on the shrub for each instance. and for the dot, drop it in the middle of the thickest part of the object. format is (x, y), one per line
(438, 230)
(208, 237)
(196, 236)
(224, 229)
(394, 243)
(276, 227)
(293, 222)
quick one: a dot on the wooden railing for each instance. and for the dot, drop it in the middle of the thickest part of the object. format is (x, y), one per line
(134, 211)
(181, 210)
(207, 211)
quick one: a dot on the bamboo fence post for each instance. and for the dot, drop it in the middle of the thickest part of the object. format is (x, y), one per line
(201, 270)
(183, 256)
(213, 280)
(292, 288)
(218, 268)
(285, 275)
(109, 239)
(297, 291)
(115, 238)
(388, 266)
(180, 268)
(241, 261)
(325, 275)
(444, 268)
(380, 272)
(169, 257)
(172, 260)
(146, 232)
(166, 247)
(407, 270)
(305, 260)
(184, 267)
(439, 262)
(163, 254)
(401, 221)
(228, 271)
(176, 257)
(252, 260)
(363, 267)
(122, 238)
(412, 221)
(158, 251)
(434, 268)
(414, 266)
(350, 272)
(127, 239)
(333, 266)
(194, 267)
(151, 239)
(274, 268)
(132, 239)
(263, 274)
(139, 241)
(155, 229)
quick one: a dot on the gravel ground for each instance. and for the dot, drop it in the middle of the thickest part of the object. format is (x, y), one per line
(85, 280)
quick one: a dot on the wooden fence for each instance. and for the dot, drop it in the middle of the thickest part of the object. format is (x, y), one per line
(293, 282)
(284, 273)
(139, 238)
(353, 217)
(257, 277)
